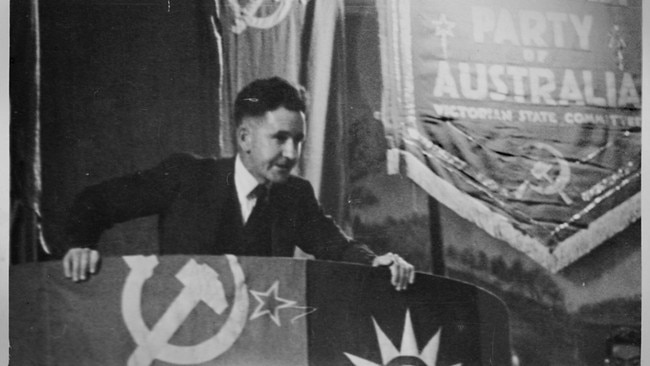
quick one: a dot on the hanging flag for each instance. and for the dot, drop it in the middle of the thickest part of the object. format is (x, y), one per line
(207, 310)
(524, 117)
(261, 39)
(296, 40)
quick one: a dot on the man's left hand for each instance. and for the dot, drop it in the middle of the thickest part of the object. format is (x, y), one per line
(402, 272)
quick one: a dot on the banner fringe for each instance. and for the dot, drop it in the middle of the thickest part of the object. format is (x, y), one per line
(498, 226)
(599, 230)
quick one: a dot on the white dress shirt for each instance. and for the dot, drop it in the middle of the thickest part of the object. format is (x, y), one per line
(245, 183)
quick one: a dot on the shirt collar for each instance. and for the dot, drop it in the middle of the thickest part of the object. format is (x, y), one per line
(245, 182)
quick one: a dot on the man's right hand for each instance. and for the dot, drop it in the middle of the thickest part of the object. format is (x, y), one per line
(79, 263)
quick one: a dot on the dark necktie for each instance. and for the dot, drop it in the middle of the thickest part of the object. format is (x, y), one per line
(261, 194)
(257, 230)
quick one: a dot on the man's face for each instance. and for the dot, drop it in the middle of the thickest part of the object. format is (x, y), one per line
(270, 147)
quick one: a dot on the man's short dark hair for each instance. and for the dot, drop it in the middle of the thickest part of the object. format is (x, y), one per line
(264, 95)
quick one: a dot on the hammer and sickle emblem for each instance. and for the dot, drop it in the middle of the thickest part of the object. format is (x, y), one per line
(201, 283)
(245, 17)
(541, 170)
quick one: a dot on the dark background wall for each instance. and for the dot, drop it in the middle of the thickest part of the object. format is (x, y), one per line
(123, 84)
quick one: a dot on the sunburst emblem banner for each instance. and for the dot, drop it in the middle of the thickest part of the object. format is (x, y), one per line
(408, 353)
(437, 321)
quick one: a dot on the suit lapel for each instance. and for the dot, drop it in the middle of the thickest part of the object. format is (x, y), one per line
(282, 239)
(276, 240)
(222, 192)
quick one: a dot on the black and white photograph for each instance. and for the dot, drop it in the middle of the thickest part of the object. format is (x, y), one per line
(325, 182)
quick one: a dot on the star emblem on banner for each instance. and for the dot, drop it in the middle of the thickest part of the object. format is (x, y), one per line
(443, 29)
(270, 303)
(407, 354)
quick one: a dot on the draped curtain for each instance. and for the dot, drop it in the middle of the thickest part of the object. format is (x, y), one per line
(25, 125)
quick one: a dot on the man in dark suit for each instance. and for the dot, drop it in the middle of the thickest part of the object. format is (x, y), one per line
(249, 205)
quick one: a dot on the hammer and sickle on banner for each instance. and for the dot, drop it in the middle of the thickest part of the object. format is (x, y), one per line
(540, 171)
(201, 283)
(245, 17)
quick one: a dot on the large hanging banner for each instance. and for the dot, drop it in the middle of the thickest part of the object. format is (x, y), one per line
(522, 116)
(209, 310)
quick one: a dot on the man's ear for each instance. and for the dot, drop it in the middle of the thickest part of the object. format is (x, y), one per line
(244, 137)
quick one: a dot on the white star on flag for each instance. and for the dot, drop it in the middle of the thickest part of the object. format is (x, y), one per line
(270, 303)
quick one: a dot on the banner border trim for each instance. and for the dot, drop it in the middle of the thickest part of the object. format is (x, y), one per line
(499, 227)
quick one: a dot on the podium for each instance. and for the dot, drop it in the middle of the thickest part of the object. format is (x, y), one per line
(227, 310)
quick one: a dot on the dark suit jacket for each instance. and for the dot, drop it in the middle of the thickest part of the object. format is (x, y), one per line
(191, 196)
